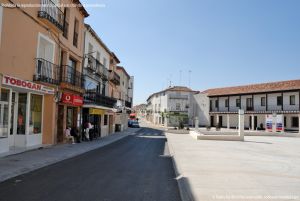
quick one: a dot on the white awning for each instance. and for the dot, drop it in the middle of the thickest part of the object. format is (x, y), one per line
(99, 107)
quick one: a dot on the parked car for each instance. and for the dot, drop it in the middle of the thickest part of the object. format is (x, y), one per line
(135, 124)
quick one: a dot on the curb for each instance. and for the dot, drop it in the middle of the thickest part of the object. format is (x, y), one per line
(185, 193)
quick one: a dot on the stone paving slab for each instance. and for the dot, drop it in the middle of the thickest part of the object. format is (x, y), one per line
(261, 168)
(14, 165)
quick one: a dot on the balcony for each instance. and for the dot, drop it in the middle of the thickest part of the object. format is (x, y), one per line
(259, 108)
(98, 99)
(46, 72)
(173, 109)
(174, 96)
(97, 68)
(51, 15)
(128, 104)
(114, 78)
(72, 77)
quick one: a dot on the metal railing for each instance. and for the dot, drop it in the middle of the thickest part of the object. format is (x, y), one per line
(51, 12)
(258, 108)
(46, 71)
(97, 67)
(174, 96)
(71, 76)
(115, 78)
(98, 99)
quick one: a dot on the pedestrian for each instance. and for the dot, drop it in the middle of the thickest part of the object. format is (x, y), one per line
(88, 127)
(75, 134)
(69, 136)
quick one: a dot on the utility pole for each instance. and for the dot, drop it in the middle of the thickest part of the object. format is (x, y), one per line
(180, 75)
(190, 78)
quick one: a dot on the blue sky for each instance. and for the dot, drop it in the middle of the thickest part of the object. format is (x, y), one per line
(222, 42)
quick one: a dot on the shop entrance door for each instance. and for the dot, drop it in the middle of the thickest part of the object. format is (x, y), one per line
(17, 137)
(13, 119)
(3, 117)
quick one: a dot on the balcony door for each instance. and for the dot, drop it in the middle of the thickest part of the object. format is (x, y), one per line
(249, 104)
(71, 71)
(45, 57)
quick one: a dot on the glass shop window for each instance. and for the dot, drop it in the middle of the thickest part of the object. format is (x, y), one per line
(35, 123)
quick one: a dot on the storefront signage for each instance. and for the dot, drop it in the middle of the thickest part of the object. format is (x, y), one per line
(279, 123)
(96, 111)
(16, 82)
(72, 99)
(269, 123)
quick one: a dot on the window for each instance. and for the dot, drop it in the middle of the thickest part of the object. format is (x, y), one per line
(249, 104)
(217, 103)
(104, 62)
(90, 51)
(292, 100)
(35, 123)
(4, 94)
(75, 34)
(22, 103)
(178, 106)
(279, 100)
(70, 117)
(210, 105)
(66, 22)
(263, 101)
(91, 85)
(226, 103)
(98, 56)
(295, 122)
(105, 120)
(71, 71)
(103, 89)
(238, 102)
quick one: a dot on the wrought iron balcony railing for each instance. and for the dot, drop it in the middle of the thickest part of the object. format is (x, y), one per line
(98, 68)
(175, 96)
(52, 13)
(114, 78)
(46, 71)
(71, 76)
(98, 99)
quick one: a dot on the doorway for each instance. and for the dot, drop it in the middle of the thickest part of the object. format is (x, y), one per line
(212, 123)
(18, 120)
(220, 121)
(13, 120)
(255, 122)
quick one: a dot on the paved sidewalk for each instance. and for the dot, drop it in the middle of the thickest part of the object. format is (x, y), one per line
(14, 165)
(261, 168)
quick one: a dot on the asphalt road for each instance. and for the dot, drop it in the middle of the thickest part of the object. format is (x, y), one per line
(136, 168)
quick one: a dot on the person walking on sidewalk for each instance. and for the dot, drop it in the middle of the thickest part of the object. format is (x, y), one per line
(88, 126)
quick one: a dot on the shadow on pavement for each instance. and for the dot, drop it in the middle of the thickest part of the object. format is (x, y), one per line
(137, 167)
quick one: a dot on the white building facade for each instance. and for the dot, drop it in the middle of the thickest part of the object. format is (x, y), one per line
(277, 102)
(99, 107)
(171, 106)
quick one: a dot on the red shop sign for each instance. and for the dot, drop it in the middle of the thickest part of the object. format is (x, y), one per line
(72, 99)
